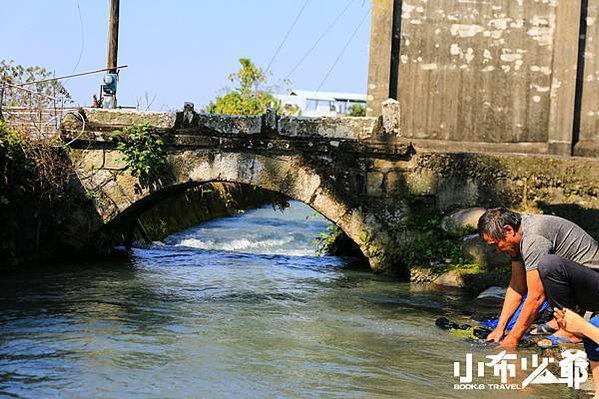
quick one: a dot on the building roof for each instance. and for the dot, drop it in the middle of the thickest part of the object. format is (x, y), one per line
(328, 96)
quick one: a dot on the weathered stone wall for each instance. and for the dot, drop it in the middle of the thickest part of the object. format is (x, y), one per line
(538, 184)
(501, 72)
(352, 171)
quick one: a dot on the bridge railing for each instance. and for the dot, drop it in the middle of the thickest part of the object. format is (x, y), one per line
(37, 122)
(100, 121)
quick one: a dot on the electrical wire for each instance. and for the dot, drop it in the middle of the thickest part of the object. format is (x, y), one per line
(322, 36)
(68, 76)
(79, 116)
(82, 41)
(30, 91)
(351, 38)
(286, 36)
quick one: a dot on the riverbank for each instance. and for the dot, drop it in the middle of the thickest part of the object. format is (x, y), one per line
(43, 212)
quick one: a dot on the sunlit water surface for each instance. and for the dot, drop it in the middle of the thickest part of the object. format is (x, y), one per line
(235, 308)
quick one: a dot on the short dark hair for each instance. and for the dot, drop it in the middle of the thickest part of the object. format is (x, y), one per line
(492, 221)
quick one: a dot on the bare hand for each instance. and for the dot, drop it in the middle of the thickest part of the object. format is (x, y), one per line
(495, 335)
(570, 321)
(509, 343)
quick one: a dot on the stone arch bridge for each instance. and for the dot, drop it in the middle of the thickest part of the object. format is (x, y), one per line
(357, 172)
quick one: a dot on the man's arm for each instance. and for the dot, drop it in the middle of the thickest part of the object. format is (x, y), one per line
(513, 297)
(534, 300)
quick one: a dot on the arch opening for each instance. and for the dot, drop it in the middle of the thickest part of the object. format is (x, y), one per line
(169, 211)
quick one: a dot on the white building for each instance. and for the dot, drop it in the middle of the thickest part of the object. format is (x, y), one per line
(320, 103)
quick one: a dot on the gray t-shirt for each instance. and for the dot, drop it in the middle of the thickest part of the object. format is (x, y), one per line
(544, 234)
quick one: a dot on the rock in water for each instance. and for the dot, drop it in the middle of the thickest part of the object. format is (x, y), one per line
(462, 220)
(492, 295)
(445, 324)
(481, 333)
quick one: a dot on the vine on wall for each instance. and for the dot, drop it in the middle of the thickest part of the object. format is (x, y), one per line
(143, 150)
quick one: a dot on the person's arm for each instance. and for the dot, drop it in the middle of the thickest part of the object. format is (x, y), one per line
(513, 297)
(532, 304)
(574, 323)
(591, 332)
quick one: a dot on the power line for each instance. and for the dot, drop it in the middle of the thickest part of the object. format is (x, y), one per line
(69, 76)
(82, 41)
(82, 37)
(29, 91)
(286, 35)
(320, 39)
(343, 51)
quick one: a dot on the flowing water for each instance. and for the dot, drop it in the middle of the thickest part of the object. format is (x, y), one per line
(235, 308)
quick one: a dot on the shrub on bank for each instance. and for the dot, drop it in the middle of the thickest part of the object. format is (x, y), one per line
(35, 196)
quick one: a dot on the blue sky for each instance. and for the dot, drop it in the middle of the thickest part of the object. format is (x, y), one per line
(183, 50)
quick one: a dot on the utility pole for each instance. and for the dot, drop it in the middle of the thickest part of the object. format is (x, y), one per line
(113, 36)
(111, 78)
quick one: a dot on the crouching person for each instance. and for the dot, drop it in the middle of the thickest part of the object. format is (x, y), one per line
(551, 257)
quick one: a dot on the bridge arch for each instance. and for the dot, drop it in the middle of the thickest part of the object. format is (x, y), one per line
(284, 174)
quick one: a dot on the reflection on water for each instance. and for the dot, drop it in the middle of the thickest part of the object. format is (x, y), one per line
(235, 308)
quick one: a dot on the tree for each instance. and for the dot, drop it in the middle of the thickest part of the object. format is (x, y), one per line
(357, 110)
(246, 98)
(18, 74)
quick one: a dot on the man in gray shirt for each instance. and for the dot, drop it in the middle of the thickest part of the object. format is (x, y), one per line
(551, 257)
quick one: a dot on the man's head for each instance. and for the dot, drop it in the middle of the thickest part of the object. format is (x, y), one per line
(500, 227)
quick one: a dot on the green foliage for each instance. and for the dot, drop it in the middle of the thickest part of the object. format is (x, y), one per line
(246, 98)
(326, 241)
(92, 194)
(19, 74)
(366, 237)
(35, 194)
(430, 244)
(9, 139)
(357, 110)
(143, 150)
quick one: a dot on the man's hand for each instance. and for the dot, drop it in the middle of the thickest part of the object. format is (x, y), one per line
(510, 343)
(496, 335)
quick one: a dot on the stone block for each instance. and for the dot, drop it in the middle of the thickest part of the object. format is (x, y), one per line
(462, 220)
(456, 192)
(325, 203)
(329, 127)
(384, 165)
(395, 183)
(477, 251)
(118, 118)
(492, 295)
(374, 184)
(391, 117)
(422, 183)
(272, 174)
(452, 278)
(236, 167)
(231, 124)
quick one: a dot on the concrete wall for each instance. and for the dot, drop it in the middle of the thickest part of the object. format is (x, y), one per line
(589, 114)
(502, 71)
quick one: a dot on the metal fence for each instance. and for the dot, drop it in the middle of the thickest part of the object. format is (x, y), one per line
(38, 122)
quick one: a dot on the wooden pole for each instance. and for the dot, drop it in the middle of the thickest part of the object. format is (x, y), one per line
(113, 36)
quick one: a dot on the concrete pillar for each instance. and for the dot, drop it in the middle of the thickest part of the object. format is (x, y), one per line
(379, 67)
(563, 90)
